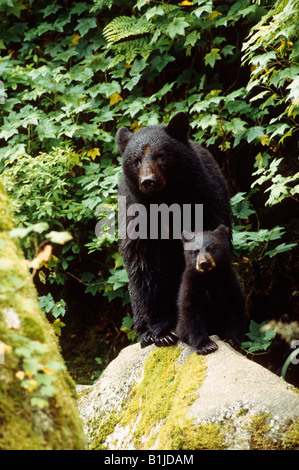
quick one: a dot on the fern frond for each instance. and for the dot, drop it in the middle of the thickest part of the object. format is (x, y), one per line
(128, 50)
(101, 5)
(124, 27)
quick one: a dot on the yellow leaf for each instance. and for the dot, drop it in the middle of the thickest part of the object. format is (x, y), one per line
(214, 14)
(29, 373)
(30, 385)
(185, 3)
(75, 39)
(46, 370)
(20, 375)
(93, 153)
(259, 159)
(45, 254)
(294, 103)
(115, 98)
(264, 139)
(42, 276)
(4, 348)
(41, 258)
(107, 206)
(135, 126)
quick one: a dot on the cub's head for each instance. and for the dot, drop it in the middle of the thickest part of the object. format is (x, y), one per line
(150, 156)
(207, 251)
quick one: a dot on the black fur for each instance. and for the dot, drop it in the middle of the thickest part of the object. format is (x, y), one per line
(160, 165)
(211, 299)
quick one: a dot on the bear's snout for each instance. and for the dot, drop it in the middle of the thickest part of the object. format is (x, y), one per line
(151, 178)
(148, 183)
(204, 262)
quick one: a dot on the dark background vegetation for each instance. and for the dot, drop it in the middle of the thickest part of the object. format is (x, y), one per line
(73, 73)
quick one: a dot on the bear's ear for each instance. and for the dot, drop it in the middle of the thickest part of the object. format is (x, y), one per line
(178, 126)
(223, 230)
(123, 136)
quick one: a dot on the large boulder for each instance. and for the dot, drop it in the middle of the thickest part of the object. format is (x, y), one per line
(38, 408)
(172, 398)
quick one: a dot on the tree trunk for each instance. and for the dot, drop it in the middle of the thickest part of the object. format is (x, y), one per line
(37, 396)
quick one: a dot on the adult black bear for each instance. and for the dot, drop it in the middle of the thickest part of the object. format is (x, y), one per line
(162, 166)
(211, 299)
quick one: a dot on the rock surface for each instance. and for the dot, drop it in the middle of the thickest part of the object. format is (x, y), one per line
(235, 403)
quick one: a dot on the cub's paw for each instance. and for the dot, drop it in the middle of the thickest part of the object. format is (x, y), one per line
(206, 346)
(233, 342)
(146, 340)
(168, 339)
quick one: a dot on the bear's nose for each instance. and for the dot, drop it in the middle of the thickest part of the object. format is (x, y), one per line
(204, 265)
(148, 183)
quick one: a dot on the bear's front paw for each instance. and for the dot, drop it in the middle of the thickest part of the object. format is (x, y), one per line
(206, 346)
(146, 340)
(168, 339)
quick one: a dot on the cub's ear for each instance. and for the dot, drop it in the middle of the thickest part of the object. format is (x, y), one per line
(123, 136)
(178, 126)
(187, 236)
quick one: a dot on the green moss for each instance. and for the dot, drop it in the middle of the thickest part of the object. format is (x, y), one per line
(32, 329)
(102, 432)
(6, 222)
(260, 428)
(291, 438)
(157, 413)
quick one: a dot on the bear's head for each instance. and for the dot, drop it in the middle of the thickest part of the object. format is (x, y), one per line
(207, 251)
(151, 153)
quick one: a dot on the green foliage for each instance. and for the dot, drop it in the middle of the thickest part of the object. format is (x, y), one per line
(272, 51)
(281, 186)
(127, 327)
(36, 376)
(56, 309)
(73, 74)
(260, 340)
(48, 305)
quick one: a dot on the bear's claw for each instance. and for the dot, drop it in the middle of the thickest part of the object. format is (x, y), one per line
(163, 341)
(234, 343)
(167, 340)
(206, 347)
(146, 340)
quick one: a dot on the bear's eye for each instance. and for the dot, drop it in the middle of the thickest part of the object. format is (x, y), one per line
(160, 157)
(136, 161)
(212, 249)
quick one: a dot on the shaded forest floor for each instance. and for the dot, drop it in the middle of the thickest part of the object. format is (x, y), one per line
(90, 341)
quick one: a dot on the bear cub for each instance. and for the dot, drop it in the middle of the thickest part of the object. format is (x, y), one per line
(211, 299)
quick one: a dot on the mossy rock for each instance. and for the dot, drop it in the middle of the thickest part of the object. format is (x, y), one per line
(38, 408)
(173, 399)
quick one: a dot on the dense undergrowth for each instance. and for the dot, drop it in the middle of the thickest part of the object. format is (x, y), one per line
(73, 72)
